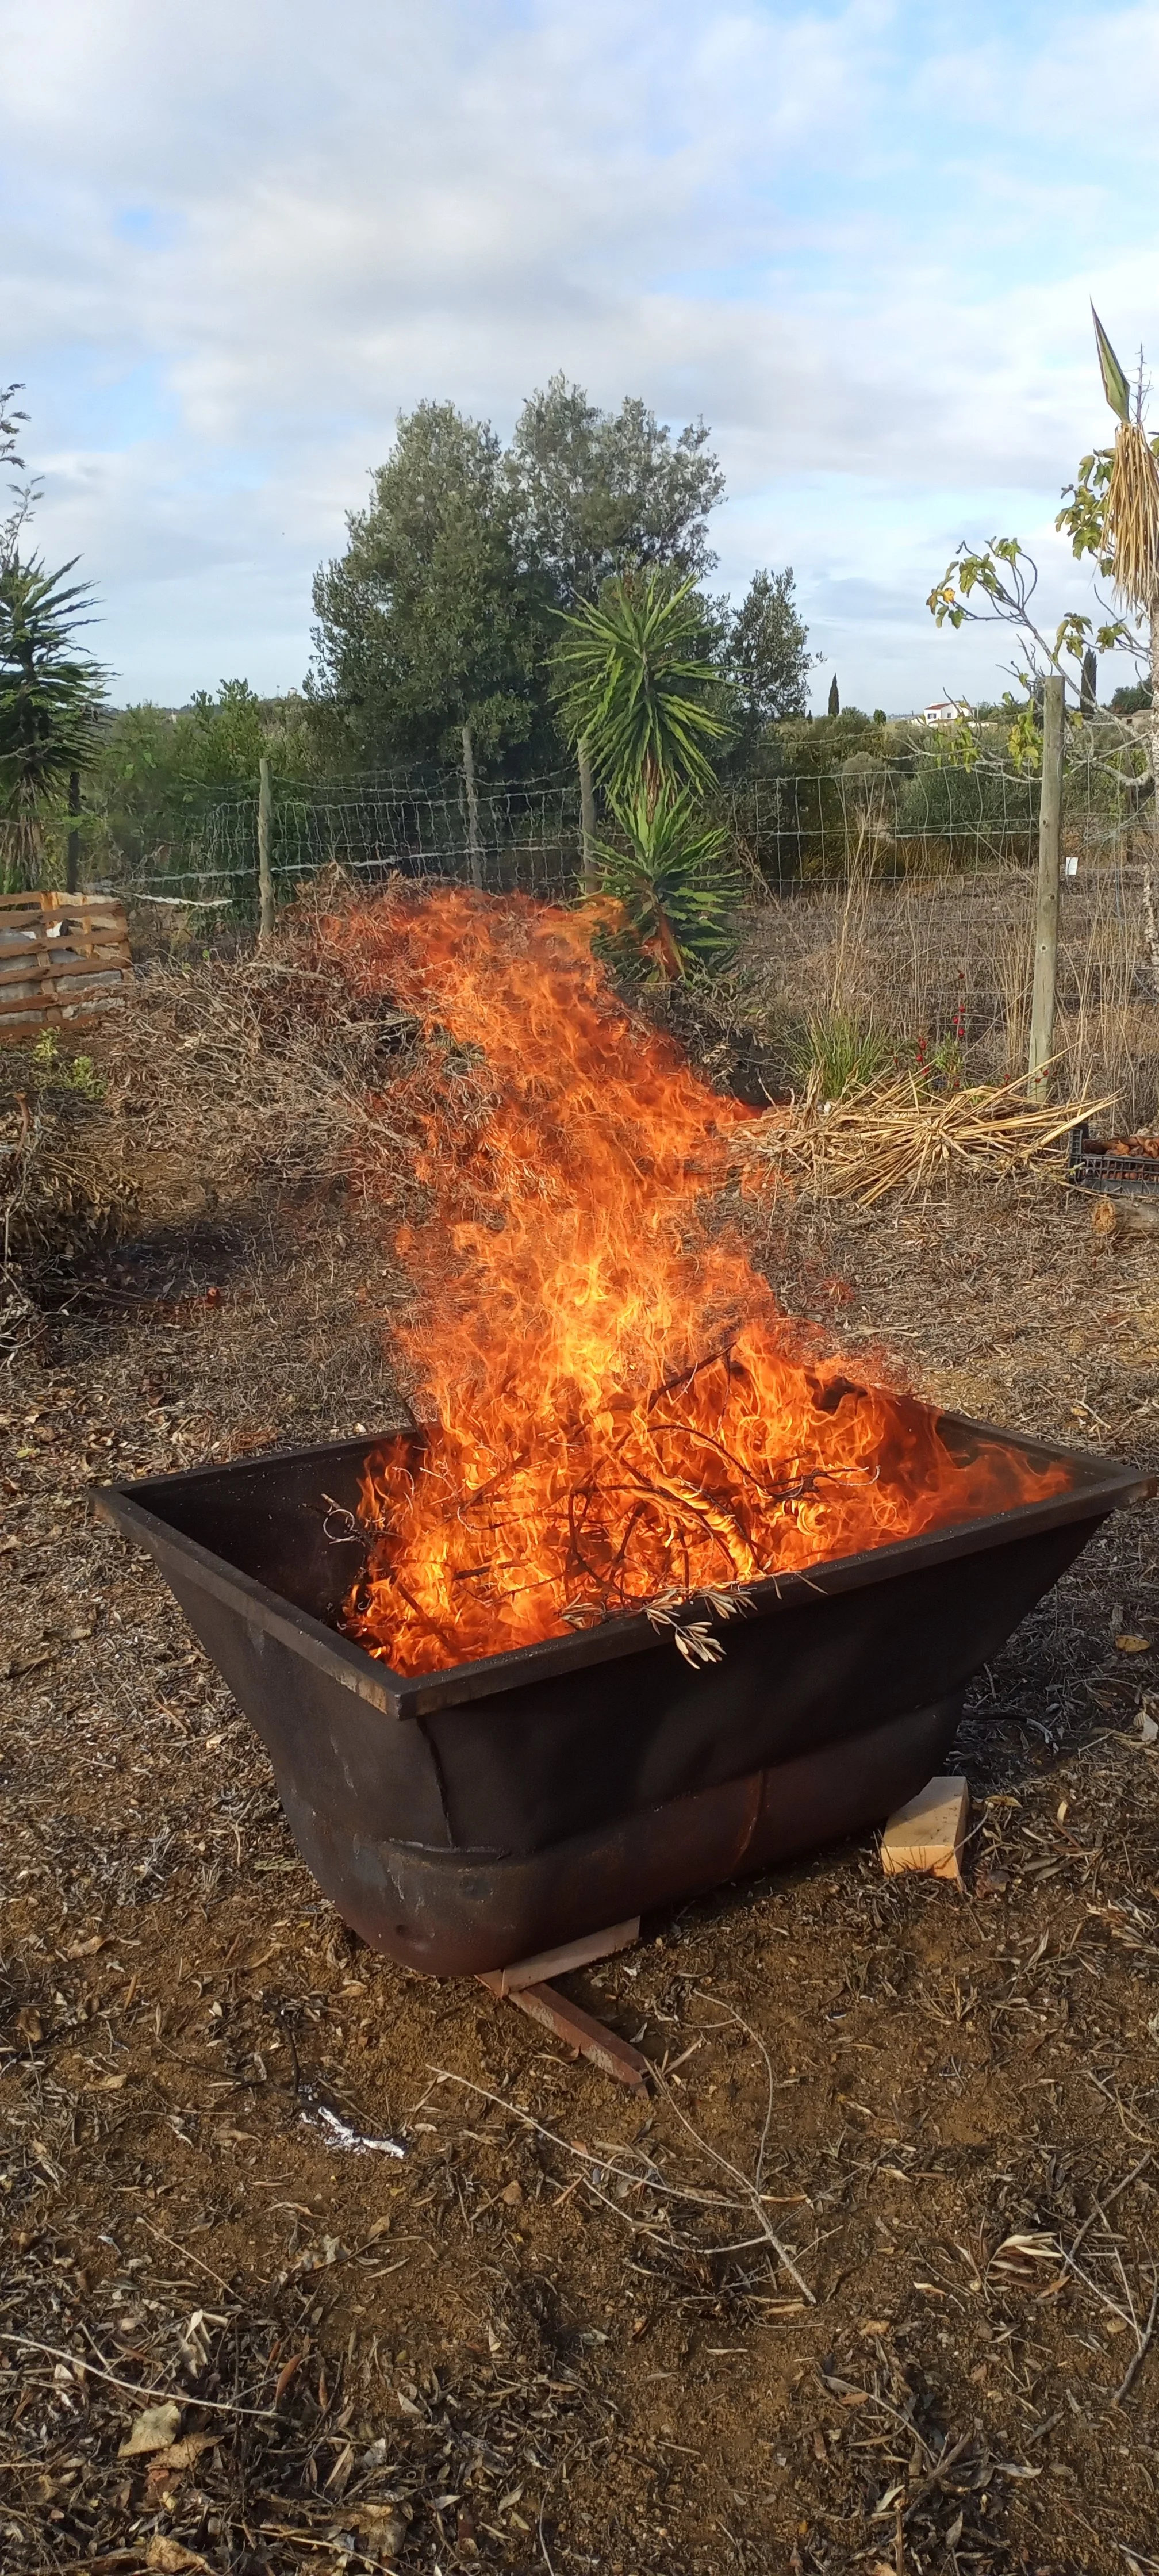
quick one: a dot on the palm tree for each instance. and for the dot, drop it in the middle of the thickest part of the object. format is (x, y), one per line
(49, 694)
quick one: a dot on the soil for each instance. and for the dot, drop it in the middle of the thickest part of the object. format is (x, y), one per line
(870, 2283)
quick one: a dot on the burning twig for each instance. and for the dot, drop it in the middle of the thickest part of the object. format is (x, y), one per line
(693, 1638)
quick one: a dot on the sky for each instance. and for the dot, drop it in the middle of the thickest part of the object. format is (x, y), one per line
(860, 241)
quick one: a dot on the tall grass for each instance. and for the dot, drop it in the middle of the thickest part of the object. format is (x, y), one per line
(890, 966)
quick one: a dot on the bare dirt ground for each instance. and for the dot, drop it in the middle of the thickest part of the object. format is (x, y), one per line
(871, 2283)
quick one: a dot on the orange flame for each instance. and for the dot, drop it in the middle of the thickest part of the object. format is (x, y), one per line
(620, 1411)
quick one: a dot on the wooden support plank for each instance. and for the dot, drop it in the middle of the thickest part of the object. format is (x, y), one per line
(57, 966)
(579, 2030)
(525, 1982)
(581, 1953)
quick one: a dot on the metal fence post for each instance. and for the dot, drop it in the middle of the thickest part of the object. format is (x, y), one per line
(1046, 908)
(265, 836)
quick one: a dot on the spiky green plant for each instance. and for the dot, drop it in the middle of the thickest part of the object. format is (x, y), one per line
(672, 877)
(836, 1054)
(634, 686)
(49, 692)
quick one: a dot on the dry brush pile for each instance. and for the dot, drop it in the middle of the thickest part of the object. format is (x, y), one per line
(899, 1134)
(229, 1089)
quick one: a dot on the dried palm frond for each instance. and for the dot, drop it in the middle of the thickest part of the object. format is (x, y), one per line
(900, 1135)
(1132, 520)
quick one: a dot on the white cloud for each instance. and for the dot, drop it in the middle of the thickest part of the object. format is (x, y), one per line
(239, 239)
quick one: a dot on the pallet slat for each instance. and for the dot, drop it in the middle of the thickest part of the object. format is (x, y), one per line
(55, 962)
(63, 958)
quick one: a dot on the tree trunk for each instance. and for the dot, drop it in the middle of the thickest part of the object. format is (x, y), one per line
(474, 852)
(670, 957)
(587, 817)
(21, 852)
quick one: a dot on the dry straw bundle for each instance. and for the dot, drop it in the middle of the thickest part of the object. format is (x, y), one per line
(1131, 526)
(1132, 523)
(899, 1135)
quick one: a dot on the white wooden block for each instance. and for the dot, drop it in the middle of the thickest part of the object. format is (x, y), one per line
(929, 1831)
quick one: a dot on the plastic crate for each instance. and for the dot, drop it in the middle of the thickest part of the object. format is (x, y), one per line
(1090, 1167)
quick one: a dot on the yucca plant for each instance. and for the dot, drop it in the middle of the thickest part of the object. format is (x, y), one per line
(672, 879)
(1114, 515)
(633, 686)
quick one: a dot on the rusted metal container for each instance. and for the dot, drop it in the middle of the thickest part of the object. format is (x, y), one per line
(468, 1818)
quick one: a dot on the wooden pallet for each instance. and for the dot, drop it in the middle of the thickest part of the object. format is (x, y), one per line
(63, 959)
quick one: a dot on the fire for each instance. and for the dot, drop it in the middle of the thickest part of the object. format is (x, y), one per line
(617, 1410)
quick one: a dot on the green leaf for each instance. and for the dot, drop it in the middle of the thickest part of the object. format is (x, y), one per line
(1115, 384)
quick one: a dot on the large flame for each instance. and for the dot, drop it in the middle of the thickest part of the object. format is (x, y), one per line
(618, 1410)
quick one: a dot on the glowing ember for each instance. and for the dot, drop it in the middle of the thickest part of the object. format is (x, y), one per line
(618, 1409)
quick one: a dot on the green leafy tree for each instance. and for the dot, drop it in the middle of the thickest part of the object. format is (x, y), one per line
(50, 691)
(431, 645)
(1133, 700)
(834, 705)
(601, 493)
(156, 770)
(763, 659)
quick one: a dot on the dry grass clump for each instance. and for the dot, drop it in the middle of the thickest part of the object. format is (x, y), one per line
(899, 1135)
(222, 1082)
(227, 1090)
(923, 959)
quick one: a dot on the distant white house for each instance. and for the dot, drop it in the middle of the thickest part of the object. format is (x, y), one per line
(946, 711)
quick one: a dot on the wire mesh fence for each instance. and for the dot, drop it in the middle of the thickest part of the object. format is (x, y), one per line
(524, 836)
(790, 833)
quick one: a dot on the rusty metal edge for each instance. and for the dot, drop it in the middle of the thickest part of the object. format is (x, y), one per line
(1104, 1482)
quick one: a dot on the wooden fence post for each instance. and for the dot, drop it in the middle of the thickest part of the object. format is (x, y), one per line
(72, 852)
(265, 873)
(474, 852)
(1049, 867)
(587, 815)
